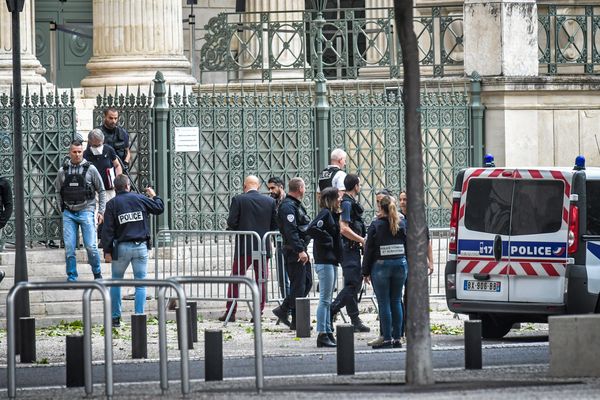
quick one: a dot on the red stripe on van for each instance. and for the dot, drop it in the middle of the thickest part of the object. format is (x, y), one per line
(528, 269)
(495, 173)
(565, 215)
(490, 266)
(461, 212)
(535, 174)
(475, 174)
(517, 174)
(470, 267)
(504, 270)
(550, 270)
(559, 176)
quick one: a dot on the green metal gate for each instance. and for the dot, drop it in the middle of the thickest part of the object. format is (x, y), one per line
(263, 134)
(48, 127)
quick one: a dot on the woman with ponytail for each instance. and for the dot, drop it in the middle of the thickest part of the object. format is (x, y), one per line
(384, 264)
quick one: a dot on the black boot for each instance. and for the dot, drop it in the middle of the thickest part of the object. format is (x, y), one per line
(331, 337)
(358, 325)
(281, 312)
(292, 324)
(323, 340)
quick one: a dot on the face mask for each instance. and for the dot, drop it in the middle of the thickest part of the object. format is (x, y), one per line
(97, 150)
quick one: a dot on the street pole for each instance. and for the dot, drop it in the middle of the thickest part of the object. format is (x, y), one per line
(22, 301)
(322, 103)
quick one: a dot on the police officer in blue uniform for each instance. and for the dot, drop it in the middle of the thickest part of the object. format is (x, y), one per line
(353, 232)
(293, 222)
(126, 238)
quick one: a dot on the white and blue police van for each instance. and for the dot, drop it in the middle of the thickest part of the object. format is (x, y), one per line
(524, 245)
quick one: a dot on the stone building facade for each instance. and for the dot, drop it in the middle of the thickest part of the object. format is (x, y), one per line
(532, 117)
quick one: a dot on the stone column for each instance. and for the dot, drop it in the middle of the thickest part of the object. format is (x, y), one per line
(501, 37)
(31, 71)
(132, 40)
(377, 44)
(285, 45)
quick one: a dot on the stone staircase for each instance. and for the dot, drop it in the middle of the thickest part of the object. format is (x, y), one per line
(51, 306)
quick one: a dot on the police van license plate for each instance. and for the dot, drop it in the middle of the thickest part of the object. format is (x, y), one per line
(483, 286)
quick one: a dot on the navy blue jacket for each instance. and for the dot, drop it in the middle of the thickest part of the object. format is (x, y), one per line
(251, 211)
(293, 222)
(327, 241)
(126, 218)
(381, 245)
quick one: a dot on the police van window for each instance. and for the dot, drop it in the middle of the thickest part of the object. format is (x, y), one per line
(592, 194)
(537, 207)
(487, 206)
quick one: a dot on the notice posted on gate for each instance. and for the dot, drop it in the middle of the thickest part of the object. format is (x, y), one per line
(187, 139)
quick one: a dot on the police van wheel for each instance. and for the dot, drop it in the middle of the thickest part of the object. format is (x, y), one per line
(494, 327)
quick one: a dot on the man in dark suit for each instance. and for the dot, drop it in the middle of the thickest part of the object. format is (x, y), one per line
(249, 211)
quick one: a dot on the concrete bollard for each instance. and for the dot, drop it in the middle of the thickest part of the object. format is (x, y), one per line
(189, 331)
(473, 357)
(345, 349)
(213, 355)
(139, 336)
(27, 325)
(194, 319)
(302, 317)
(574, 342)
(75, 376)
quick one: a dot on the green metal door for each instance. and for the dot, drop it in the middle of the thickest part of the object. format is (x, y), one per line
(74, 50)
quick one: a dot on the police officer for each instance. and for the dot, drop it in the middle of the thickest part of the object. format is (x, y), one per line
(116, 136)
(126, 238)
(76, 186)
(293, 221)
(333, 175)
(353, 230)
(6, 207)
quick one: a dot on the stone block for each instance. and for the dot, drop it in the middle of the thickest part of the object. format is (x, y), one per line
(574, 345)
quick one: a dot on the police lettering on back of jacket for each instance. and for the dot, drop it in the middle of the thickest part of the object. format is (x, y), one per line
(126, 238)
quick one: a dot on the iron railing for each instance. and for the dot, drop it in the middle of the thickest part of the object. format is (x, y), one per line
(568, 39)
(265, 46)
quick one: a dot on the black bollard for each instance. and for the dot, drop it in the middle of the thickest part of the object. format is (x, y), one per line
(213, 355)
(302, 317)
(189, 330)
(473, 344)
(75, 376)
(27, 339)
(194, 319)
(139, 336)
(345, 349)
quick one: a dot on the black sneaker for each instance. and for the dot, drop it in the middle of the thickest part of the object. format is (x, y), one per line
(2, 274)
(386, 344)
(282, 313)
(98, 276)
(397, 343)
(116, 322)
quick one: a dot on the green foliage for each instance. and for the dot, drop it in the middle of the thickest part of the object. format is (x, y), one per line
(43, 361)
(249, 330)
(63, 328)
(443, 329)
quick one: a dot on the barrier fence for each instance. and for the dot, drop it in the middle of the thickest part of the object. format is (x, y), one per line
(227, 253)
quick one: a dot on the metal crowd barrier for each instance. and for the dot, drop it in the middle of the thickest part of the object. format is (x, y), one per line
(209, 254)
(162, 286)
(87, 342)
(253, 288)
(278, 285)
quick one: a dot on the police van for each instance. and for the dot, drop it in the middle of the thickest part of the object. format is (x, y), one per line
(524, 245)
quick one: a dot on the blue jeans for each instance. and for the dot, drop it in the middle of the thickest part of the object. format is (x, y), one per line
(388, 278)
(326, 274)
(72, 220)
(135, 253)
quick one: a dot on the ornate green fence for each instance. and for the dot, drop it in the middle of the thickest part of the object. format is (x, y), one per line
(266, 46)
(49, 125)
(241, 133)
(568, 39)
(369, 125)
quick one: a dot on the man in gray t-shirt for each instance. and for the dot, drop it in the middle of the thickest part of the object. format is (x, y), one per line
(76, 186)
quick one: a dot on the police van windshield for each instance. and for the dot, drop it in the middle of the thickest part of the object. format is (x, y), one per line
(536, 206)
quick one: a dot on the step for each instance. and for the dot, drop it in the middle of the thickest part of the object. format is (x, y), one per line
(7, 258)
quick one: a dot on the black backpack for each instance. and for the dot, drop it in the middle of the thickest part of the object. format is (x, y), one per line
(75, 189)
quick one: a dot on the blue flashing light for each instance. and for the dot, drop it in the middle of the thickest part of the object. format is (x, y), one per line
(488, 160)
(579, 163)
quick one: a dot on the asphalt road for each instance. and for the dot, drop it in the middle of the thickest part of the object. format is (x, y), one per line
(510, 351)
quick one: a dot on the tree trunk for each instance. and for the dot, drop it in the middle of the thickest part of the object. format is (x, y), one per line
(419, 368)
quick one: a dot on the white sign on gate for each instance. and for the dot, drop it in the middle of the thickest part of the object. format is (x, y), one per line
(187, 139)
